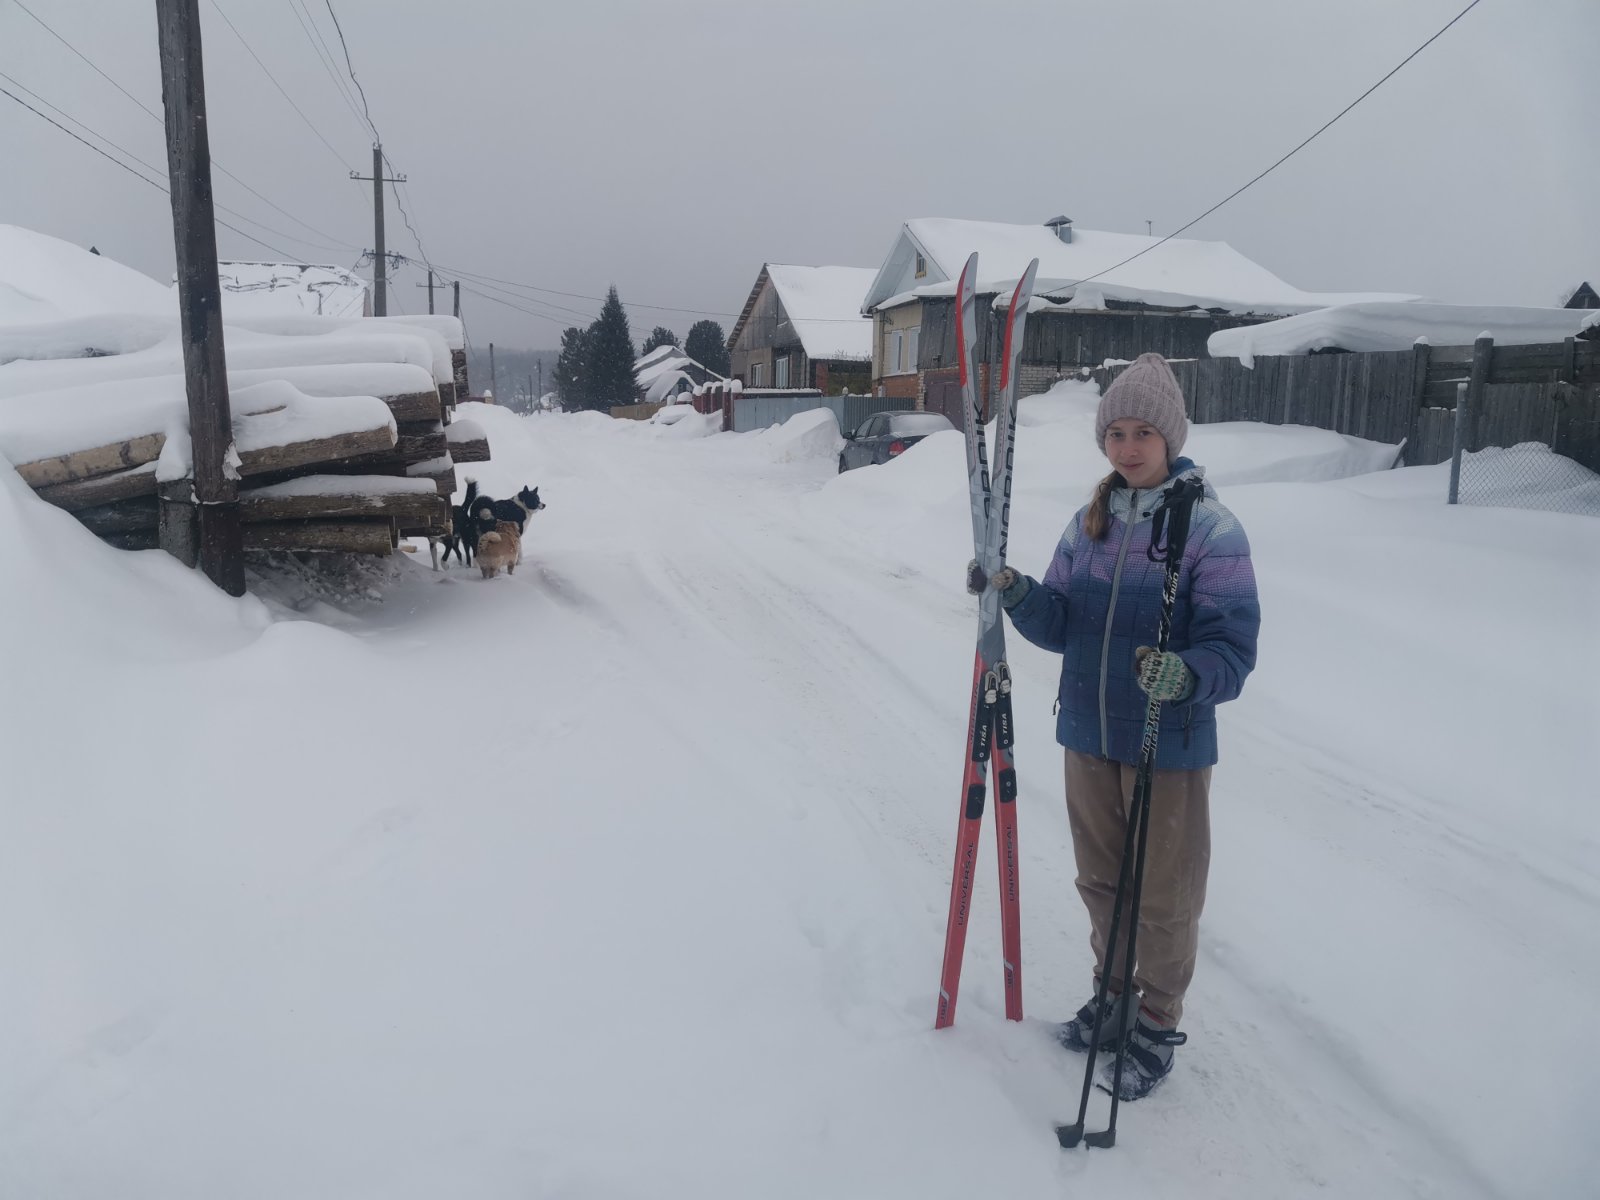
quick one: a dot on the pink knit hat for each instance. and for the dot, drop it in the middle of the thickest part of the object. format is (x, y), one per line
(1147, 391)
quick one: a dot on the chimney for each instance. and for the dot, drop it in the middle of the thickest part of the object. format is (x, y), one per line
(1062, 227)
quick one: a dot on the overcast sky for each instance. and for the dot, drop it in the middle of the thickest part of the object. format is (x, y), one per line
(671, 148)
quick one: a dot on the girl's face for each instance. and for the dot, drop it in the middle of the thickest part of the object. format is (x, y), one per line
(1137, 451)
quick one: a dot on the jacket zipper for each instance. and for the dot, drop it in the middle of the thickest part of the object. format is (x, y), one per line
(1111, 608)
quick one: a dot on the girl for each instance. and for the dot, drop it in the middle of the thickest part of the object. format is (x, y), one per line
(1099, 607)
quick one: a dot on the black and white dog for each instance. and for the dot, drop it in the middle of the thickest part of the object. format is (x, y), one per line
(519, 508)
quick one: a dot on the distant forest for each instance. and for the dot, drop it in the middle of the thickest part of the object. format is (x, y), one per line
(516, 371)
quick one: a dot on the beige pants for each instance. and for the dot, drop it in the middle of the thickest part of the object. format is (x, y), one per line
(1099, 802)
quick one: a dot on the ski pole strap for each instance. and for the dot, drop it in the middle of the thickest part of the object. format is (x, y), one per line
(1171, 521)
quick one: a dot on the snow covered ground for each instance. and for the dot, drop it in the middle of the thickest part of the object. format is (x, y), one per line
(648, 898)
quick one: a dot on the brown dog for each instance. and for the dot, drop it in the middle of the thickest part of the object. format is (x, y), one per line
(499, 549)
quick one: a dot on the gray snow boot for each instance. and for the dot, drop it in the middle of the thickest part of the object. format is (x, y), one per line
(1077, 1033)
(1146, 1058)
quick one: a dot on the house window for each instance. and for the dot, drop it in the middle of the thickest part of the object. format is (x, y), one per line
(922, 266)
(900, 352)
(780, 372)
(758, 374)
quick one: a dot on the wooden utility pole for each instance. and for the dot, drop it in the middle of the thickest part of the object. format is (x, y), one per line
(457, 288)
(380, 294)
(429, 286)
(494, 379)
(198, 523)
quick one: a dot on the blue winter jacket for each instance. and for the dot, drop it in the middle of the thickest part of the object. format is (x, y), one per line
(1099, 601)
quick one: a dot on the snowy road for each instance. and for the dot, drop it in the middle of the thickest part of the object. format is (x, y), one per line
(650, 901)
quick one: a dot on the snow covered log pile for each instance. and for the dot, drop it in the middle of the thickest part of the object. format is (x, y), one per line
(343, 432)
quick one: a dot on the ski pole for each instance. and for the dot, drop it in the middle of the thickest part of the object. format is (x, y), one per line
(1172, 515)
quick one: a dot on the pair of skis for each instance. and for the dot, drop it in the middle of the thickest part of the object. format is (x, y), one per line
(989, 721)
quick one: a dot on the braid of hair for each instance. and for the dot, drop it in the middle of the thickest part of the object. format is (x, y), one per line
(1097, 520)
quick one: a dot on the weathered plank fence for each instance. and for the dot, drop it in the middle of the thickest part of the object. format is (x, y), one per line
(1545, 393)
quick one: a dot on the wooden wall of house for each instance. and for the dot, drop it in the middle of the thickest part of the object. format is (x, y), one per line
(1069, 339)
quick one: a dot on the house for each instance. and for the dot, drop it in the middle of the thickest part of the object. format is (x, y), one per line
(1098, 296)
(280, 289)
(1583, 296)
(803, 327)
(666, 371)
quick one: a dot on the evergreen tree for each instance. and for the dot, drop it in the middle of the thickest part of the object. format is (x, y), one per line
(708, 346)
(609, 374)
(660, 336)
(572, 369)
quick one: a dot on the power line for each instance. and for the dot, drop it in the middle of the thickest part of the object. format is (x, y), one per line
(700, 312)
(130, 170)
(553, 318)
(279, 86)
(319, 47)
(1286, 157)
(351, 68)
(154, 116)
(152, 167)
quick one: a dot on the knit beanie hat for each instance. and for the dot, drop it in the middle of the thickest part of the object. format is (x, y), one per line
(1147, 391)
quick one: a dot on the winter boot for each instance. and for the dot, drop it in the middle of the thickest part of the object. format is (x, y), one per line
(1146, 1057)
(1077, 1033)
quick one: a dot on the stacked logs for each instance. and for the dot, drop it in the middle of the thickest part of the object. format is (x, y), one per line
(356, 479)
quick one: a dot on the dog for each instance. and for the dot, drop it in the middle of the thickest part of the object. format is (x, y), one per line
(516, 510)
(463, 536)
(499, 547)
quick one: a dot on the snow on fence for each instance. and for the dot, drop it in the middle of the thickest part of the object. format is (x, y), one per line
(1542, 393)
(758, 409)
(342, 428)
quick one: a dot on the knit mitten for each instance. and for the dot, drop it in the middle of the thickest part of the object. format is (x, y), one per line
(1162, 674)
(1011, 584)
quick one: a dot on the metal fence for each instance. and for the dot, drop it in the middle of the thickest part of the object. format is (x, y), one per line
(1509, 470)
(755, 411)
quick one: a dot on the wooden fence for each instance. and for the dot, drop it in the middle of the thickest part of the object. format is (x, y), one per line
(1544, 393)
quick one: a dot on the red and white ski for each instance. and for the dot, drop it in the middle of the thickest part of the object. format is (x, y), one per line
(989, 721)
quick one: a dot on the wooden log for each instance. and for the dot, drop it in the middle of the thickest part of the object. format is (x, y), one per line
(139, 539)
(441, 470)
(291, 455)
(130, 516)
(103, 489)
(471, 450)
(415, 406)
(349, 537)
(98, 460)
(423, 508)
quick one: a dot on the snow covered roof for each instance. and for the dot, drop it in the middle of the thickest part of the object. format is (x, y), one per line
(669, 350)
(265, 288)
(666, 361)
(1381, 326)
(824, 306)
(1177, 273)
(45, 279)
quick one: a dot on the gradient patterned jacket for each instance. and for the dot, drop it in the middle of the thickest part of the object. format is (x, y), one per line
(1099, 601)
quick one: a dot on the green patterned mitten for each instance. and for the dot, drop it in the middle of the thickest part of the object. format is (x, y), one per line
(1163, 675)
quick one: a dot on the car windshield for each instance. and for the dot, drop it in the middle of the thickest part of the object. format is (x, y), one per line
(919, 424)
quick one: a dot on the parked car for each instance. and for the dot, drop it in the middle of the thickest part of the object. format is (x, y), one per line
(887, 434)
